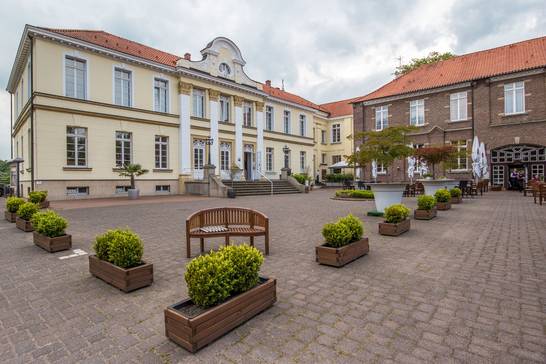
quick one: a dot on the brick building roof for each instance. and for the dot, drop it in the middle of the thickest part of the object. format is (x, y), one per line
(339, 108)
(502, 60)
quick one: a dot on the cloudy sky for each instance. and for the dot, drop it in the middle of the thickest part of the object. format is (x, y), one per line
(324, 50)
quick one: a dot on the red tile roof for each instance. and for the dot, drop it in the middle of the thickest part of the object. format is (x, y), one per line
(287, 96)
(339, 108)
(506, 59)
(113, 42)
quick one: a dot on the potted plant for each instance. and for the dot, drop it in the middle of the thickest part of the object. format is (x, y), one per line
(383, 147)
(456, 195)
(426, 208)
(39, 198)
(118, 260)
(49, 231)
(443, 199)
(435, 155)
(225, 290)
(344, 242)
(12, 205)
(396, 220)
(132, 171)
(24, 216)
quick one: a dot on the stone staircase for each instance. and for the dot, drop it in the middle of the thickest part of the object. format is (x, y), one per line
(255, 188)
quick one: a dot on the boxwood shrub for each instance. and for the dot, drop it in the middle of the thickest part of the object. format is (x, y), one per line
(342, 232)
(426, 202)
(13, 203)
(37, 196)
(27, 210)
(456, 192)
(396, 213)
(214, 277)
(365, 194)
(442, 195)
(121, 247)
(338, 177)
(49, 223)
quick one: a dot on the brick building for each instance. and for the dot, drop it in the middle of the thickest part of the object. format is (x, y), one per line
(497, 94)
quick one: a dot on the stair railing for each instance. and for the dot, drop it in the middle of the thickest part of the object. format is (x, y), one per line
(267, 179)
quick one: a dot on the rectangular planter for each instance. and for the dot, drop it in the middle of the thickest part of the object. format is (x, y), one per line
(389, 229)
(338, 257)
(443, 206)
(424, 214)
(24, 225)
(125, 279)
(496, 188)
(456, 200)
(195, 332)
(44, 204)
(10, 216)
(53, 245)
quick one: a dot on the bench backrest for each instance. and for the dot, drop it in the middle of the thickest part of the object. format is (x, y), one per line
(227, 216)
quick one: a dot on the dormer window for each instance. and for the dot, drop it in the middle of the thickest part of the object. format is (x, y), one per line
(224, 69)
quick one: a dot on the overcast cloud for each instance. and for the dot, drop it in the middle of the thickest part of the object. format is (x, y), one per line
(324, 50)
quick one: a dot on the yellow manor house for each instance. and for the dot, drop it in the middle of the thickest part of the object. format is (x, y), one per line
(85, 103)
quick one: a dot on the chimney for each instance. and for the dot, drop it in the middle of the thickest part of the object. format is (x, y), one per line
(187, 56)
(268, 83)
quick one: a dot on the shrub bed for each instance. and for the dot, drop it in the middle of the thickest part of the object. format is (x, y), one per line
(338, 177)
(363, 194)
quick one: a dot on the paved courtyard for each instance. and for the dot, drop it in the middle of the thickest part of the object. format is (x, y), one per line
(469, 286)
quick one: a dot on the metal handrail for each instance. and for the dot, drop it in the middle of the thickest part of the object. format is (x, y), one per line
(267, 179)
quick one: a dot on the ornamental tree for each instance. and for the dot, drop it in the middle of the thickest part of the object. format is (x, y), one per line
(434, 155)
(415, 63)
(131, 170)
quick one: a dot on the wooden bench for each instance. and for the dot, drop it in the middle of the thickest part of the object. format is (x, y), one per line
(226, 222)
(539, 192)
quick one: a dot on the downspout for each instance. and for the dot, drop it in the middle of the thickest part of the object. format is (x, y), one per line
(31, 113)
(11, 125)
(473, 84)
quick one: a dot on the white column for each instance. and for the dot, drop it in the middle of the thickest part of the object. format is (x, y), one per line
(214, 116)
(260, 150)
(238, 103)
(184, 151)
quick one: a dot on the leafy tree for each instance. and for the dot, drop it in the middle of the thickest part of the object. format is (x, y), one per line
(132, 171)
(4, 172)
(415, 63)
(436, 155)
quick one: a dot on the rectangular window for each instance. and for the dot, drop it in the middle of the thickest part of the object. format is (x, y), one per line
(302, 125)
(161, 152)
(75, 77)
(269, 117)
(122, 189)
(286, 119)
(381, 168)
(29, 81)
(29, 146)
(16, 103)
(161, 93)
(498, 175)
(458, 106)
(162, 188)
(537, 171)
(417, 112)
(77, 191)
(122, 87)
(224, 109)
(224, 156)
(198, 155)
(123, 148)
(269, 159)
(381, 117)
(247, 114)
(303, 162)
(323, 158)
(461, 158)
(336, 133)
(198, 103)
(336, 159)
(323, 136)
(514, 98)
(76, 146)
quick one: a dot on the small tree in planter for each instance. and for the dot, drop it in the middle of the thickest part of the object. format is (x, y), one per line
(443, 199)
(396, 220)
(39, 198)
(456, 195)
(24, 216)
(132, 170)
(49, 231)
(225, 290)
(426, 208)
(118, 260)
(344, 242)
(12, 205)
(435, 155)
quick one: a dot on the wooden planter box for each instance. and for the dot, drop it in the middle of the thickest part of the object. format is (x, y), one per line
(425, 214)
(193, 332)
(456, 200)
(10, 216)
(496, 188)
(24, 225)
(389, 229)
(338, 257)
(44, 204)
(53, 245)
(125, 279)
(443, 206)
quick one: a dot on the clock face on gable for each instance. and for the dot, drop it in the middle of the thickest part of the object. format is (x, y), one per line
(224, 69)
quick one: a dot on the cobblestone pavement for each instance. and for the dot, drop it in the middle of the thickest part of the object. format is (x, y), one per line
(469, 286)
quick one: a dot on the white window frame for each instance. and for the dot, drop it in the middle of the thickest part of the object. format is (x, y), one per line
(459, 148)
(269, 117)
(336, 133)
(225, 157)
(76, 145)
(77, 55)
(303, 161)
(513, 88)
(167, 94)
(123, 68)
(247, 114)
(198, 162)
(415, 106)
(77, 193)
(460, 99)
(163, 144)
(381, 117)
(381, 169)
(269, 159)
(537, 170)
(323, 137)
(303, 124)
(286, 125)
(160, 189)
(197, 92)
(123, 140)
(497, 174)
(16, 103)
(224, 104)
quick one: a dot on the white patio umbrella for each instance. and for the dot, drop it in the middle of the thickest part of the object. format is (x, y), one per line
(476, 164)
(374, 170)
(483, 161)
